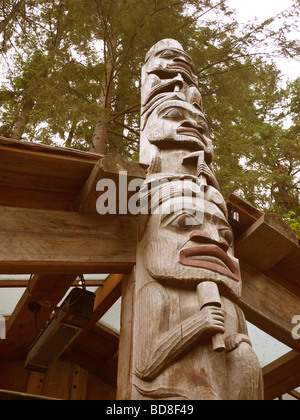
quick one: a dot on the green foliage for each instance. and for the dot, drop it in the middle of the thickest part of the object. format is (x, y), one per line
(80, 64)
(293, 221)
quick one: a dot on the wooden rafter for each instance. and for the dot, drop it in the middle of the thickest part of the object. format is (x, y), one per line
(269, 306)
(282, 375)
(24, 283)
(21, 331)
(47, 199)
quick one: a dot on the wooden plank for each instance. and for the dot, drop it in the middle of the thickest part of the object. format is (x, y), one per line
(99, 390)
(287, 272)
(24, 283)
(107, 296)
(37, 199)
(246, 208)
(294, 394)
(266, 242)
(39, 149)
(282, 375)
(94, 350)
(269, 306)
(44, 163)
(64, 380)
(18, 396)
(52, 242)
(38, 176)
(247, 214)
(111, 166)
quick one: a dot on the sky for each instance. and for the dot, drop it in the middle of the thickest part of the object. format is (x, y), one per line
(249, 10)
(262, 9)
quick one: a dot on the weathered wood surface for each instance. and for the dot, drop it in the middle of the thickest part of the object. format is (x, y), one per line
(52, 242)
(38, 176)
(186, 274)
(282, 375)
(286, 271)
(269, 306)
(121, 170)
(63, 381)
(124, 380)
(266, 242)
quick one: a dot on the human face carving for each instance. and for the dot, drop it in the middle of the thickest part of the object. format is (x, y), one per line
(179, 125)
(193, 244)
(169, 69)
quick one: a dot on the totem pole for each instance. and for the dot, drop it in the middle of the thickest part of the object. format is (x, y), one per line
(189, 338)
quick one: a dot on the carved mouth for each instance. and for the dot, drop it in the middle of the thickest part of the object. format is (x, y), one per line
(192, 132)
(172, 70)
(164, 87)
(180, 65)
(200, 256)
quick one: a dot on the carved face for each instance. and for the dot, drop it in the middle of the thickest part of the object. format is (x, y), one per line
(179, 125)
(192, 243)
(168, 69)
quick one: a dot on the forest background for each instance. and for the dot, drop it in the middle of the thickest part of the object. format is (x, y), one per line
(70, 76)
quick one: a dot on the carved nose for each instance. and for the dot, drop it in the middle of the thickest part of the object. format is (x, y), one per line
(187, 63)
(203, 237)
(192, 124)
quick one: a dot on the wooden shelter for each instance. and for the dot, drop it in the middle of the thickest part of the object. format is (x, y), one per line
(51, 231)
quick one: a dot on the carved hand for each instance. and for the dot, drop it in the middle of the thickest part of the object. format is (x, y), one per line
(214, 321)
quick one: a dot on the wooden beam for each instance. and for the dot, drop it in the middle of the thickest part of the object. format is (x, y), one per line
(52, 242)
(287, 272)
(125, 367)
(24, 283)
(95, 351)
(18, 396)
(282, 375)
(39, 176)
(294, 394)
(266, 242)
(39, 149)
(269, 306)
(109, 167)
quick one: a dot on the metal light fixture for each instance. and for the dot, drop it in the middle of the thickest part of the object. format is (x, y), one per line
(61, 330)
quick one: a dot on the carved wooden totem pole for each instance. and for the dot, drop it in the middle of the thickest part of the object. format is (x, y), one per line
(188, 339)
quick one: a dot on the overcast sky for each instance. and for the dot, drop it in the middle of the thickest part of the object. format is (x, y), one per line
(248, 10)
(262, 9)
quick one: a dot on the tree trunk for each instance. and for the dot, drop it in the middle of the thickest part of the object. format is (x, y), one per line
(100, 134)
(22, 121)
(71, 135)
(6, 21)
(284, 194)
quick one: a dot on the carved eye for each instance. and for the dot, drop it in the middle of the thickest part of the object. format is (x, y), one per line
(174, 113)
(168, 54)
(185, 221)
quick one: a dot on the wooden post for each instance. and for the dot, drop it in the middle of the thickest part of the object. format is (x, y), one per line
(173, 313)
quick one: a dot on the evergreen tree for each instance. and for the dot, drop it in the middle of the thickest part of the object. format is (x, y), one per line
(74, 79)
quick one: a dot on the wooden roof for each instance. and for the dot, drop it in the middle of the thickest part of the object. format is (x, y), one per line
(51, 230)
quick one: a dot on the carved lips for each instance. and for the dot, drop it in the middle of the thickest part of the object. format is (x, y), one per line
(220, 262)
(183, 65)
(189, 131)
